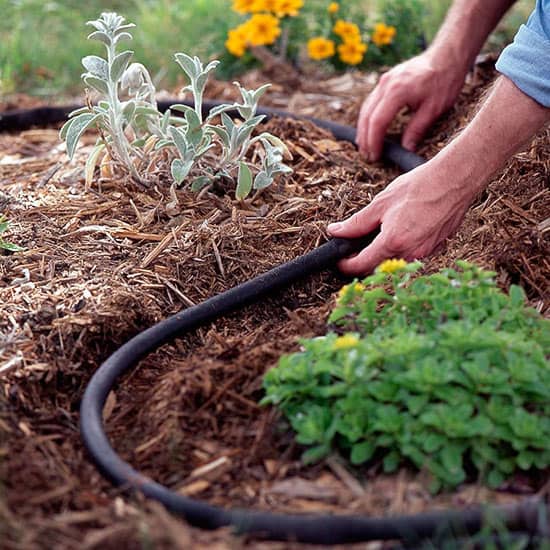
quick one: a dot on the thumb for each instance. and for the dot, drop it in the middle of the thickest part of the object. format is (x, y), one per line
(361, 223)
(417, 126)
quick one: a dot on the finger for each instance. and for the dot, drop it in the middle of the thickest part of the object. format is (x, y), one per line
(379, 122)
(366, 261)
(363, 121)
(358, 225)
(417, 127)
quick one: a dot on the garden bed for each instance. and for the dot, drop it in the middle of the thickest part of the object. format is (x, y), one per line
(100, 266)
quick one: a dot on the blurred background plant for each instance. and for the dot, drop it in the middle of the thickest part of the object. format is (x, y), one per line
(41, 46)
(338, 34)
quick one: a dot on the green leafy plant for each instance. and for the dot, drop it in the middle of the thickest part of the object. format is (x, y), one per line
(4, 245)
(444, 371)
(132, 130)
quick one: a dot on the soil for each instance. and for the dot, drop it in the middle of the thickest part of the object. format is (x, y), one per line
(100, 265)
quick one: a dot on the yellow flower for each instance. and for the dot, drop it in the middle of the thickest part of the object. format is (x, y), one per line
(391, 266)
(243, 6)
(333, 7)
(237, 40)
(383, 34)
(352, 52)
(265, 5)
(320, 48)
(346, 30)
(263, 29)
(288, 7)
(355, 287)
(345, 342)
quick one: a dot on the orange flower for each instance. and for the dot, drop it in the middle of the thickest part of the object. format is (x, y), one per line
(288, 7)
(352, 52)
(346, 30)
(320, 48)
(262, 29)
(383, 34)
(265, 5)
(333, 7)
(237, 40)
(243, 6)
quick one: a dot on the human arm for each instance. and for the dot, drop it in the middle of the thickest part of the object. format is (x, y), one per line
(429, 83)
(420, 209)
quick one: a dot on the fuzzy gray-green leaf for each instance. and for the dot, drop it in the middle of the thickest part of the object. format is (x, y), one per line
(180, 169)
(262, 180)
(79, 125)
(244, 182)
(200, 183)
(96, 66)
(97, 83)
(187, 64)
(119, 65)
(101, 36)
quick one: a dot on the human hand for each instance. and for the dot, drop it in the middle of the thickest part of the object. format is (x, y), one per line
(416, 213)
(424, 84)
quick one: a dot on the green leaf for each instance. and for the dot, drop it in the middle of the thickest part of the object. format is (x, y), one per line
(129, 110)
(180, 141)
(78, 111)
(91, 163)
(244, 182)
(97, 84)
(119, 65)
(361, 452)
(433, 441)
(221, 133)
(200, 182)
(96, 66)
(181, 108)
(517, 295)
(451, 459)
(74, 132)
(315, 454)
(262, 180)
(495, 479)
(122, 36)
(180, 169)
(218, 110)
(525, 459)
(100, 36)
(391, 462)
(10, 246)
(187, 64)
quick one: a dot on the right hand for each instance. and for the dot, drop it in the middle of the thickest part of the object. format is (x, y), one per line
(425, 85)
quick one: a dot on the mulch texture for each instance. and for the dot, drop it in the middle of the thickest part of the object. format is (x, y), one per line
(101, 265)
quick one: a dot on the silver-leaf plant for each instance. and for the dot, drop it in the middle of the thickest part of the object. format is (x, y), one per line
(132, 128)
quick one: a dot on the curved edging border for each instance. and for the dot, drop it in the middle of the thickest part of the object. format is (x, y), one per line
(317, 529)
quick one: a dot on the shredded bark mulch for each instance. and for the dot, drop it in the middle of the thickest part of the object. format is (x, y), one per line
(101, 265)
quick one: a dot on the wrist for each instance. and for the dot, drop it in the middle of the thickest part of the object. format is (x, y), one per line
(449, 59)
(459, 172)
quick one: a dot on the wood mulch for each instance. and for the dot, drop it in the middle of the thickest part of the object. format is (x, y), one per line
(101, 265)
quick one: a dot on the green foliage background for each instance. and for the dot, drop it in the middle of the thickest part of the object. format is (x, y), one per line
(42, 42)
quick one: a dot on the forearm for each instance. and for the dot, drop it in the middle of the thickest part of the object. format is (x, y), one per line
(507, 120)
(465, 29)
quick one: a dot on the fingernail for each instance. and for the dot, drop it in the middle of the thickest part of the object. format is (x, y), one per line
(335, 226)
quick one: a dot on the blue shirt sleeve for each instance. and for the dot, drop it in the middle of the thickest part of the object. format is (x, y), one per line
(527, 60)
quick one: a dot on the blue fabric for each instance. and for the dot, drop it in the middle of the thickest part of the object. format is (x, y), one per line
(527, 60)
